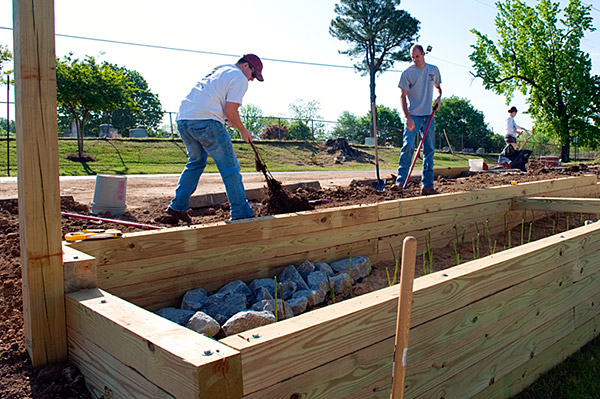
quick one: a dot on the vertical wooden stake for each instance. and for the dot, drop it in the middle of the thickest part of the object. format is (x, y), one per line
(407, 274)
(39, 191)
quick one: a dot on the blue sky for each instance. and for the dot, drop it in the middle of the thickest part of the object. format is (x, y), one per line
(277, 30)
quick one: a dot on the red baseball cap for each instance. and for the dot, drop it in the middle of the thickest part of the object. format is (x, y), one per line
(256, 65)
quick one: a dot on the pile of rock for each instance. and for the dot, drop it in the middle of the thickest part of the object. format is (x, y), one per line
(238, 306)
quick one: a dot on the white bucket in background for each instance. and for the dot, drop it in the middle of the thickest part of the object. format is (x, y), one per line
(475, 164)
(109, 195)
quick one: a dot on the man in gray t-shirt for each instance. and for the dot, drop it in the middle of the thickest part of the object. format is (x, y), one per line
(417, 84)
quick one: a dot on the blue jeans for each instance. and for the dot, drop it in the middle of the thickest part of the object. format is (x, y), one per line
(209, 137)
(408, 148)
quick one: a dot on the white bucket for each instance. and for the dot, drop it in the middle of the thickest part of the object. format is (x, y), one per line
(475, 164)
(109, 195)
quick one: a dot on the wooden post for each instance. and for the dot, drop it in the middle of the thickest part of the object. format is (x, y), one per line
(409, 255)
(39, 191)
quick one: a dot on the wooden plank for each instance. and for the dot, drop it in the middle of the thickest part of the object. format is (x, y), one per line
(79, 270)
(342, 377)
(484, 373)
(362, 321)
(168, 355)
(107, 377)
(557, 204)
(368, 370)
(525, 374)
(274, 251)
(192, 239)
(185, 240)
(39, 194)
(414, 206)
(154, 294)
(454, 343)
(253, 194)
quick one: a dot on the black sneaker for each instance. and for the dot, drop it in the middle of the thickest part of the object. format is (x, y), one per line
(183, 216)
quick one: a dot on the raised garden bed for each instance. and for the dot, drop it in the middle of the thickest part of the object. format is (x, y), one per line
(485, 328)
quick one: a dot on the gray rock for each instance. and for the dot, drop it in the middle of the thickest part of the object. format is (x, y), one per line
(313, 297)
(222, 307)
(305, 268)
(267, 283)
(284, 311)
(317, 281)
(298, 305)
(193, 299)
(176, 315)
(341, 284)
(235, 287)
(290, 273)
(261, 294)
(361, 266)
(287, 289)
(325, 268)
(204, 324)
(247, 320)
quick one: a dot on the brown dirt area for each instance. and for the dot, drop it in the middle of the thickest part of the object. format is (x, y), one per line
(147, 201)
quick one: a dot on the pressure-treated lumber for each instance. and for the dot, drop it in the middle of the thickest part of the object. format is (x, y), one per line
(96, 364)
(360, 322)
(578, 205)
(178, 360)
(79, 270)
(260, 248)
(39, 196)
(527, 373)
(495, 322)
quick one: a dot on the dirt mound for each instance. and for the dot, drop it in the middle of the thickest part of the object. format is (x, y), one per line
(344, 152)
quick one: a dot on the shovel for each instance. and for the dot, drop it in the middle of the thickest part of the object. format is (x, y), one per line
(379, 184)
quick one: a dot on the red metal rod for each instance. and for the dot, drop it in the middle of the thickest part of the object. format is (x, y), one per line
(116, 221)
(419, 149)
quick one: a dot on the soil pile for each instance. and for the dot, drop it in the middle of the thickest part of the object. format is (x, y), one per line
(345, 153)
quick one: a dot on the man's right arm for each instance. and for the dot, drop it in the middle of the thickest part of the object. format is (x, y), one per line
(410, 123)
(234, 120)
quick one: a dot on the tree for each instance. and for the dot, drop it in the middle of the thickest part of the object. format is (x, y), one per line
(349, 127)
(298, 130)
(148, 112)
(389, 125)
(378, 33)
(305, 127)
(538, 54)
(252, 116)
(458, 117)
(5, 58)
(85, 88)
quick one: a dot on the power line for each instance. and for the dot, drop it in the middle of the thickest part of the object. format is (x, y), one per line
(198, 51)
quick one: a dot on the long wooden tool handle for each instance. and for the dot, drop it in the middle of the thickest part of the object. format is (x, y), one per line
(409, 256)
(373, 113)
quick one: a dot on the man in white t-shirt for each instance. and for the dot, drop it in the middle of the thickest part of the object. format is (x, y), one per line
(201, 119)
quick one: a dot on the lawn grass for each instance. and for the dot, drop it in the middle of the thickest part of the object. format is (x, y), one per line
(575, 378)
(156, 156)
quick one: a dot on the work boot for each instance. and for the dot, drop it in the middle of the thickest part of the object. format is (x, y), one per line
(397, 187)
(183, 216)
(429, 191)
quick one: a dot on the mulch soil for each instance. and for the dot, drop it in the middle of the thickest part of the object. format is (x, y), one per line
(18, 379)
